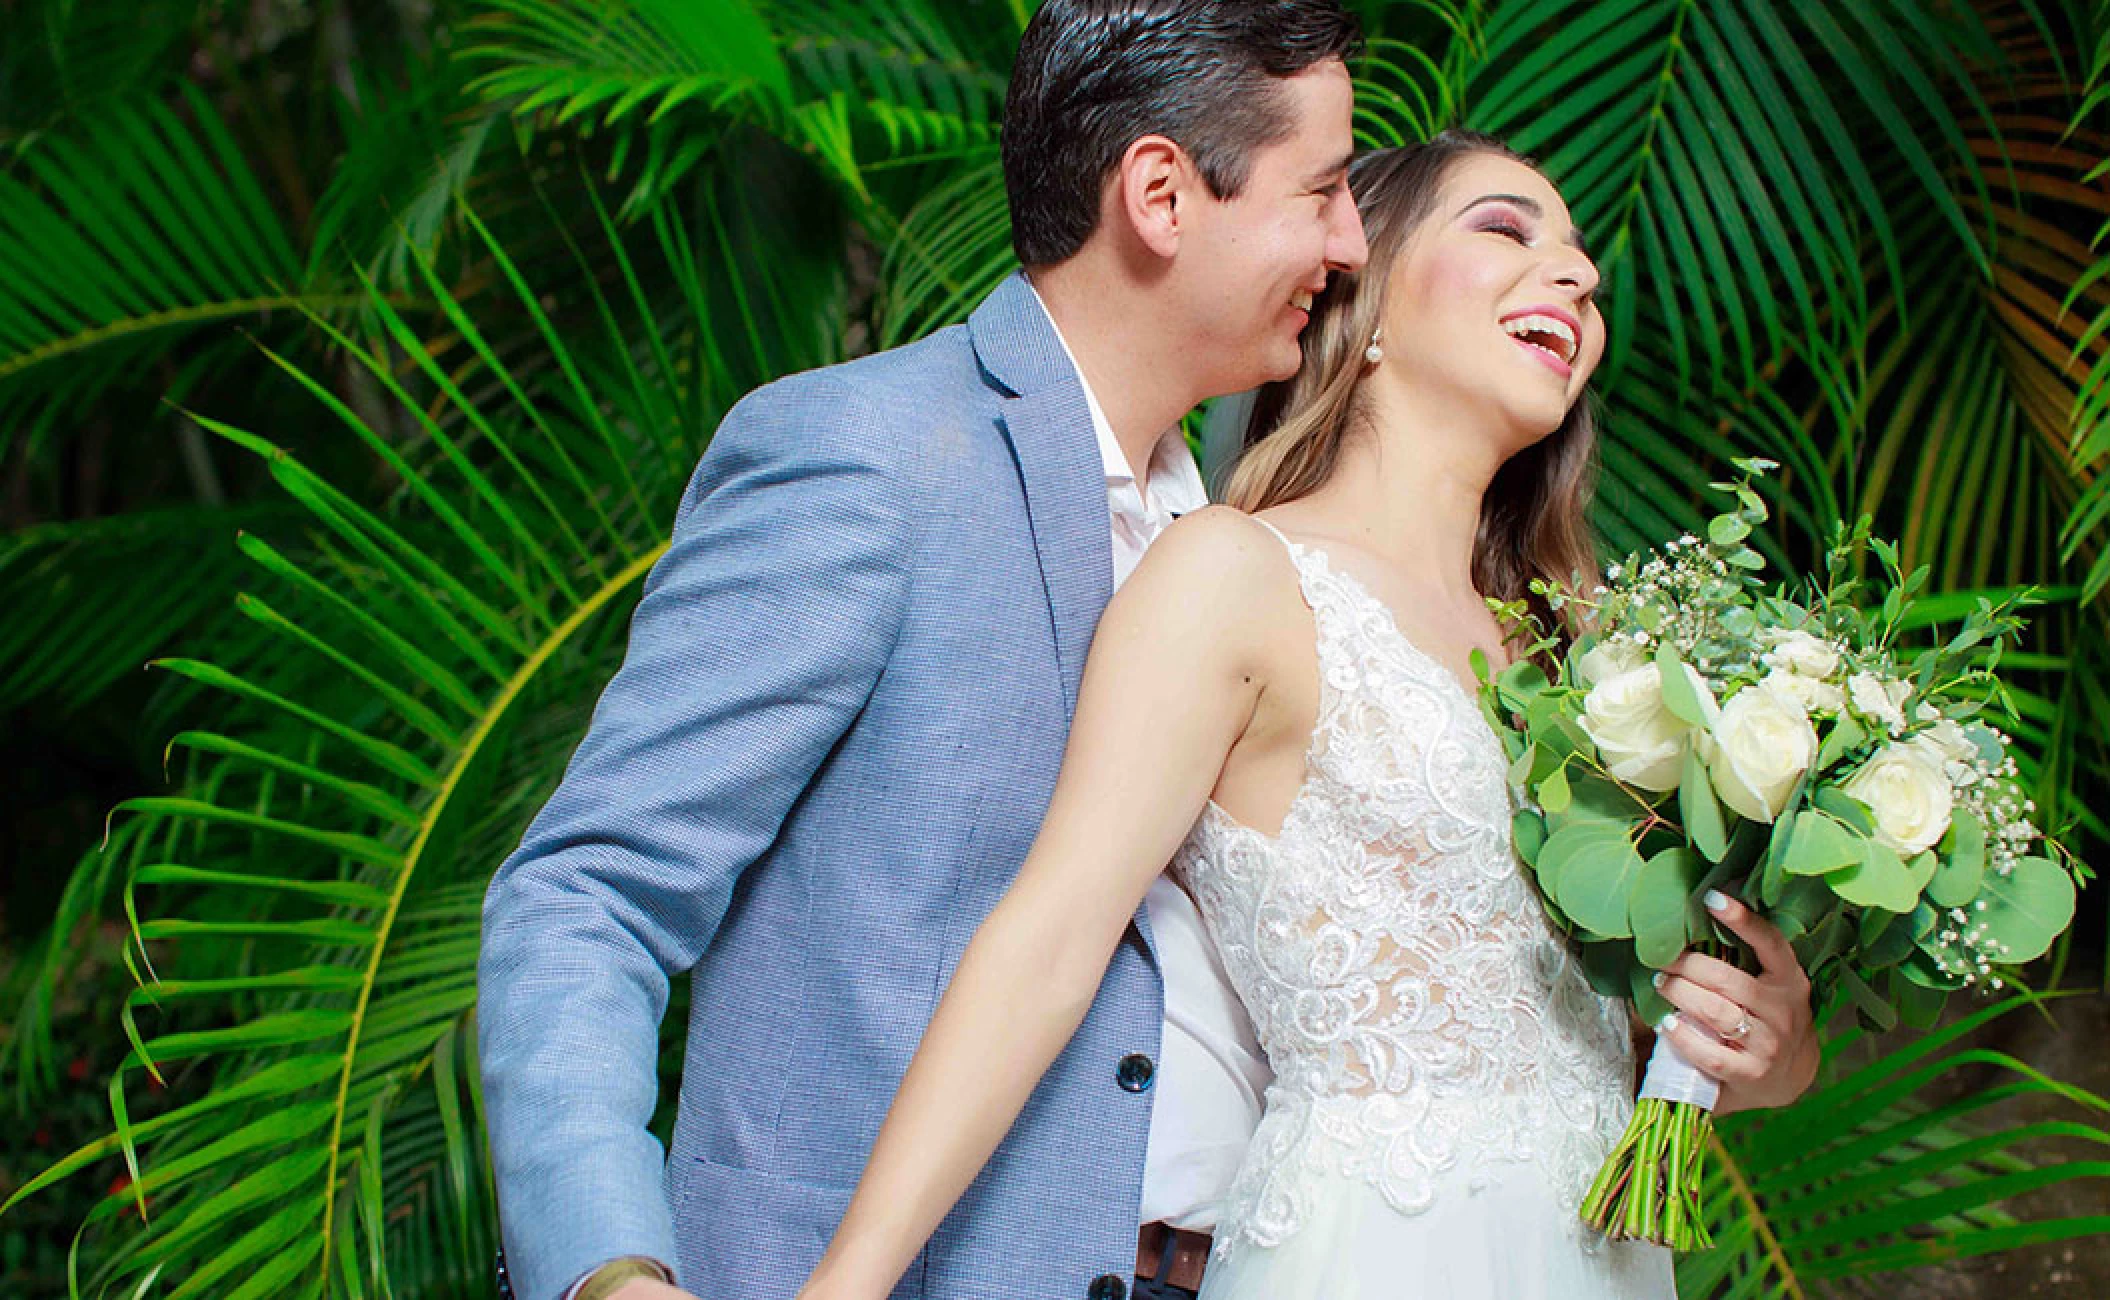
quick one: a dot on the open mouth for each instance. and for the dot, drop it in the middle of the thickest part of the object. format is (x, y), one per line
(1549, 334)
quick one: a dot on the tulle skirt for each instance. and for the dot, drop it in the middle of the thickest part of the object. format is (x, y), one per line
(1515, 1240)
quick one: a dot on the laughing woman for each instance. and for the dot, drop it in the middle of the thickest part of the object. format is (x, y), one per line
(1324, 782)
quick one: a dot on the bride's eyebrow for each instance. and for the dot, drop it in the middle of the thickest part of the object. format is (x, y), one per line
(1532, 208)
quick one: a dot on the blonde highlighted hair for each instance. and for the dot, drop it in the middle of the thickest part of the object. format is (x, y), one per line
(1533, 520)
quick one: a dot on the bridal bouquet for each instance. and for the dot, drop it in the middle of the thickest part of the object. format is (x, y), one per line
(1779, 743)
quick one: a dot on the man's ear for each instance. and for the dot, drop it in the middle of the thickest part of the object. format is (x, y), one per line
(1153, 181)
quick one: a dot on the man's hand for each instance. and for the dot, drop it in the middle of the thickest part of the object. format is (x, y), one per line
(644, 1288)
(1754, 1033)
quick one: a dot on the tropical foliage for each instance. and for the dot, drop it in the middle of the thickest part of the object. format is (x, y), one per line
(403, 324)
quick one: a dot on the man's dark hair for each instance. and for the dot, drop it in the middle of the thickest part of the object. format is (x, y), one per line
(1094, 75)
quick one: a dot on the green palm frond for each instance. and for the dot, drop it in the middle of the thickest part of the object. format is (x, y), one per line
(1712, 155)
(91, 600)
(1818, 251)
(140, 229)
(665, 77)
(951, 249)
(1910, 1159)
(332, 842)
(407, 154)
(851, 86)
(914, 67)
(66, 58)
(645, 58)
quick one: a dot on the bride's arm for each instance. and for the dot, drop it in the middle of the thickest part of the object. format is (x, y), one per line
(1173, 677)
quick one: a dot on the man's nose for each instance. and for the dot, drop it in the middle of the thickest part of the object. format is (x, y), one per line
(1346, 248)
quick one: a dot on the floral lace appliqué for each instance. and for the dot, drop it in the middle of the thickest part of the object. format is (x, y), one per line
(1420, 1012)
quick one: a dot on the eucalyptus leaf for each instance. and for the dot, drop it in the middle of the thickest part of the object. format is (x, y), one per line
(1886, 939)
(1880, 879)
(1804, 903)
(1665, 912)
(1846, 808)
(1520, 685)
(1650, 1005)
(1727, 530)
(1527, 832)
(1554, 794)
(1681, 695)
(1845, 736)
(2027, 908)
(1962, 871)
(1821, 845)
(1592, 868)
(1874, 1010)
(1919, 1007)
(1700, 811)
(1520, 773)
(1921, 969)
(1609, 967)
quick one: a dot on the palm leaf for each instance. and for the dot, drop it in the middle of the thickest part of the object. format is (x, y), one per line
(332, 844)
(72, 58)
(141, 228)
(1896, 1163)
(1687, 134)
(930, 77)
(92, 600)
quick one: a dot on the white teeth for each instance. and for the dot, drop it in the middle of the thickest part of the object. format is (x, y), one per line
(1551, 326)
(1301, 300)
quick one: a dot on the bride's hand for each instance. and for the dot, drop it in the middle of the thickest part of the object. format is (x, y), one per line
(1754, 1033)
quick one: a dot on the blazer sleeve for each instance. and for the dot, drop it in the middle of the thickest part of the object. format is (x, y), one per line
(760, 635)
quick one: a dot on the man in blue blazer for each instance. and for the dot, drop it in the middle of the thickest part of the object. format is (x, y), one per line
(847, 689)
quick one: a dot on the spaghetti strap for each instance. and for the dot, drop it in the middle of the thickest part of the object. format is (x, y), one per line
(1293, 547)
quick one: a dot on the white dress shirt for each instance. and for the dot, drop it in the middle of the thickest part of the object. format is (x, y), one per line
(1211, 1072)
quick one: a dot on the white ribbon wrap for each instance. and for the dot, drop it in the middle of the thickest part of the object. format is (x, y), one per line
(1673, 1078)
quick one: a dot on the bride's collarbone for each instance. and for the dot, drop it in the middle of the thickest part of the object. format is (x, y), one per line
(1442, 627)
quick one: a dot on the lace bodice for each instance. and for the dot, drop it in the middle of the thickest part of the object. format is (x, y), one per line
(1421, 1015)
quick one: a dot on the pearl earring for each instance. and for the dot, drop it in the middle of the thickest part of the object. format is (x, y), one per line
(1374, 353)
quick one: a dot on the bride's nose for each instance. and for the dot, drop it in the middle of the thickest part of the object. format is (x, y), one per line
(1572, 270)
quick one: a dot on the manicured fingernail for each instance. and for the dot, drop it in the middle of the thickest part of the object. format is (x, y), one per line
(1717, 901)
(1667, 1024)
(1658, 978)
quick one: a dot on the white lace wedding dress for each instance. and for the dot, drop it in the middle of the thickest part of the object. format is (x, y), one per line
(1446, 1081)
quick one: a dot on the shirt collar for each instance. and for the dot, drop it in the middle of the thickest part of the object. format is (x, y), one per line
(1172, 470)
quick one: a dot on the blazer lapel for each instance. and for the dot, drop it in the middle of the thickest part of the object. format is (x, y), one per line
(1049, 426)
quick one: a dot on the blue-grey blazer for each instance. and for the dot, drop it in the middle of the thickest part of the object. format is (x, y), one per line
(830, 745)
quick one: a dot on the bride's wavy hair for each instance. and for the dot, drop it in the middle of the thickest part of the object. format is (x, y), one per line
(1533, 521)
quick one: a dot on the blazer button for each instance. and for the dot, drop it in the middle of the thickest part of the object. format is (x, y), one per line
(1135, 1072)
(1107, 1286)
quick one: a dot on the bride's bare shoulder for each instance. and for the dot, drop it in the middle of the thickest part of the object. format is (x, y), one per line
(1223, 549)
(1216, 576)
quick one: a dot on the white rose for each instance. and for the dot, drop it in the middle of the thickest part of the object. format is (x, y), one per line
(1641, 741)
(1796, 651)
(1814, 694)
(1950, 750)
(1608, 659)
(1906, 790)
(1758, 749)
(1879, 700)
